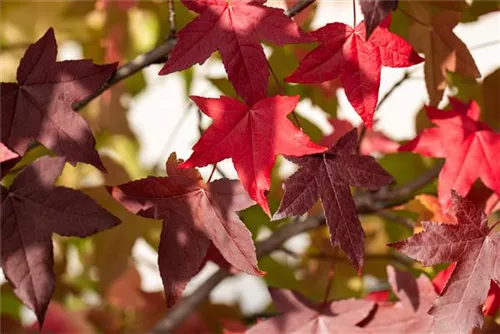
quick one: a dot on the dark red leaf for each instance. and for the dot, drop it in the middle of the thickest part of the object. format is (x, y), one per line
(38, 106)
(193, 214)
(375, 12)
(327, 176)
(251, 137)
(471, 244)
(32, 210)
(235, 28)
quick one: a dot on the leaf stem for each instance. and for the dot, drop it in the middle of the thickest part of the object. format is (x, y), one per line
(212, 173)
(331, 273)
(354, 13)
(493, 226)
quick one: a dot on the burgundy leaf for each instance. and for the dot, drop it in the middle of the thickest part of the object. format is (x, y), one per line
(38, 106)
(193, 214)
(471, 244)
(375, 12)
(327, 176)
(32, 210)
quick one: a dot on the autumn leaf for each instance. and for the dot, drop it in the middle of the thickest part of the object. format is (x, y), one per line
(409, 314)
(372, 142)
(469, 146)
(474, 247)
(235, 28)
(251, 137)
(328, 176)
(375, 12)
(38, 106)
(193, 214)
(8, 160)
(343, 52)
(300, 315)
(33, 209)
(431, 33)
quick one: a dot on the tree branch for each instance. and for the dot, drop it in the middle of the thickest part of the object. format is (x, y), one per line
(140, 62)
(365, 203)
(300, 6)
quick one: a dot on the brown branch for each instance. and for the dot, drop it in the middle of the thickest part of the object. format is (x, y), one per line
(300, 6)
(140, 62)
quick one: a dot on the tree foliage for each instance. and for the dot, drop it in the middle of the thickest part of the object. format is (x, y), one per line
(378, 213)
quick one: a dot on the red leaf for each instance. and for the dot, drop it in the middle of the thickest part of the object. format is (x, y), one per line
(38, 106)
(409, 315)
(193, 214)
(235, 28)
(469, 146)
(373, 142)
(375, 12)
(471, 244)
(251, 137)
(328, 176)
(303, 316)
(34, 209)
(344, 52)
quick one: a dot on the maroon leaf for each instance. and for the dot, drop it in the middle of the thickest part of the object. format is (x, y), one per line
(193, 214)
(375, 11)
(409, 315)
(475, 249)
(38, 106)
(32, 210)
(300, 315)
(328, 176)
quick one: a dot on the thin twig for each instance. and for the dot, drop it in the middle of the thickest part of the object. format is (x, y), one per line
(397, 219)
(171, 18)
(299, 6)
(138, 63)
(354, 13)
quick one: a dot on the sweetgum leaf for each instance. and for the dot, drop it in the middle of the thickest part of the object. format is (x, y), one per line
(38, 106)
(194, 214)
(235, 28)
(343, 52)
(300, 315)
(470, 147)
(375, 12)
(251, 137)
(475, 248)
(32, 210)
(409, 314)
(328, 176)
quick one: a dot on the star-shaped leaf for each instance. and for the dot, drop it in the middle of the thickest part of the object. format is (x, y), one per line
(431, 33)
(251, 137)
(38, 106)
(235, 28)
(328, 176)
(300, 315)
(409, 314)
(32, 209)
(469, 146)
(193, 214)
(375, 12)
(475, 249)
(343, 52)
